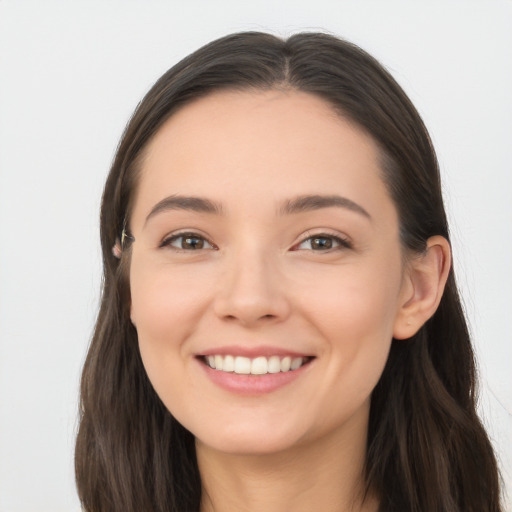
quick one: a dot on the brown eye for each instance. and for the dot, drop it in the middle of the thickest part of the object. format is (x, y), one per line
(320, 243)
(187, 242)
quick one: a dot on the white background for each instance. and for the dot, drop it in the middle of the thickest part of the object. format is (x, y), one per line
(71, 73)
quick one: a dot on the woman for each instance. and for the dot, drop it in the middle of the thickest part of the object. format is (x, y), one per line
(280, 327)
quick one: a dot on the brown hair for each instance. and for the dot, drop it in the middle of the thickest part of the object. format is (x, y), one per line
(427, 449)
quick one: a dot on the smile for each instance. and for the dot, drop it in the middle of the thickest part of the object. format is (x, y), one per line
(257, 366)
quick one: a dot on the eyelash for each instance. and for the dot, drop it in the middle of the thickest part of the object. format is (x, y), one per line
(343, 243)
(186, 234)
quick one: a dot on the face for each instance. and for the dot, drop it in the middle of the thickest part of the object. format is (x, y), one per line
(266, 273)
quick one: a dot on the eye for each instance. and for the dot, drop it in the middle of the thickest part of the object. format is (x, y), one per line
(322, 242)
(187, 242)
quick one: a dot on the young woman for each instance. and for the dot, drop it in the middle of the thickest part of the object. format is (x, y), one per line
(280, 327)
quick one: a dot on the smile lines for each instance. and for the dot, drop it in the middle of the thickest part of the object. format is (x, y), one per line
(257, 366)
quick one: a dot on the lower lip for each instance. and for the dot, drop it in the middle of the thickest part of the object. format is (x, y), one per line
(242, 384)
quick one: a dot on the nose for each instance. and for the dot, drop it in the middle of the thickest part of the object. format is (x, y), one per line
(252, 291)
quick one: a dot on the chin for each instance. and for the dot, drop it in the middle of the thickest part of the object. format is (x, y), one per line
(249, 440)
(248, 447)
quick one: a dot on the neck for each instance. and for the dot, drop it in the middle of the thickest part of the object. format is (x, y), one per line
(326, 475)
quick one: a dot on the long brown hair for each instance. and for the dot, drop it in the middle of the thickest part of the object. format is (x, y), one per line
(427, 450)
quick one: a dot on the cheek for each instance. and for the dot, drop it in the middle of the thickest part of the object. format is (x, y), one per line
(359, 337)
(165, 308)
(351, 304)
(355, 312)
(163, 301)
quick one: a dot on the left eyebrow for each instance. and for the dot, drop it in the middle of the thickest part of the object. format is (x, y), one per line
(316, 202)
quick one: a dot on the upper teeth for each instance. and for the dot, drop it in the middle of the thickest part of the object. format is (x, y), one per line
(256, 366)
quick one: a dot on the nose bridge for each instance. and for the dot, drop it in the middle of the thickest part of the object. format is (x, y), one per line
(251, 289)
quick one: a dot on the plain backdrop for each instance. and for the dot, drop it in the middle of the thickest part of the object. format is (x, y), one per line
(71, 73)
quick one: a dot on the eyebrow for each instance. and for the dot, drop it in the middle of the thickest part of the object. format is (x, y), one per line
(190, 203)
(316, 202)
(298, 204)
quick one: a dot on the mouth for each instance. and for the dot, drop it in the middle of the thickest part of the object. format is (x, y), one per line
(260, 365)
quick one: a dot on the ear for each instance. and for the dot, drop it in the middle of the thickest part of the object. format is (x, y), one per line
(423, 287)
(116, 249)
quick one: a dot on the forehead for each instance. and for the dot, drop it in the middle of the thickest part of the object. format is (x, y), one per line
(231, 122)
(259, 146)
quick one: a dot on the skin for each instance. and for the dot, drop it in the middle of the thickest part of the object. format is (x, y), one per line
(260, 281)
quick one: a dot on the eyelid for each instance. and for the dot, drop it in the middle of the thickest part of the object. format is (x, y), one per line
(166, 241)
(343, 240)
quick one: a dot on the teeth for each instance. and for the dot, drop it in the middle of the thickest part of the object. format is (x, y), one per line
(228, 365)
(274, 365)
(296, 363)
(258, 366)
(242, 365)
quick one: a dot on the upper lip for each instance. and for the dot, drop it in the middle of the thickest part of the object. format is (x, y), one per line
(252, 352)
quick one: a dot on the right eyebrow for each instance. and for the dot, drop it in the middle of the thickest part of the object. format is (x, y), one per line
(190, 203)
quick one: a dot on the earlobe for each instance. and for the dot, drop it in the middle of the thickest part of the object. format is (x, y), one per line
(425, 281)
